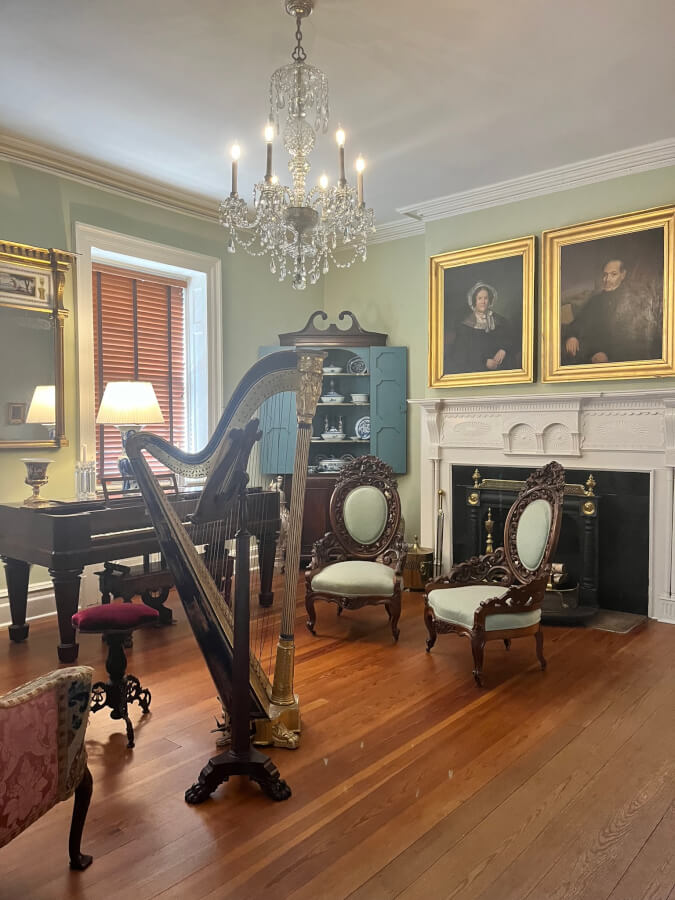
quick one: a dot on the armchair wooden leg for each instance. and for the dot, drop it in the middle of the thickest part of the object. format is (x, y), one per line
(311, 613)
(507, 643)
(431, 627)
(477, 647)
(539, 642)
(394, 612)
(79, 860)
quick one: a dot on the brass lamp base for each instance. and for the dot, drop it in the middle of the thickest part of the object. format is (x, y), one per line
(36, 477)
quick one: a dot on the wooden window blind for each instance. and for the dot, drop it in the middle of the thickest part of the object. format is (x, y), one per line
(139, 325)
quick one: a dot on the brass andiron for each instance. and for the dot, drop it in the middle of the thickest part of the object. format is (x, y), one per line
(489, 525)
(36, 477)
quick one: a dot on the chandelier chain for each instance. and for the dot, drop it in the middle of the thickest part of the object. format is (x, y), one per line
(299, 54)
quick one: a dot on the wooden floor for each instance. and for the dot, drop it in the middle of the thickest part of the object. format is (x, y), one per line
(410, 782)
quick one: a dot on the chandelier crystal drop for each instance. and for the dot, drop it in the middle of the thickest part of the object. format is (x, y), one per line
(301, 230)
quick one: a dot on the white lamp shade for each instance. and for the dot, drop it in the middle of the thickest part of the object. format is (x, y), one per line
(129, 403)
(42, 409)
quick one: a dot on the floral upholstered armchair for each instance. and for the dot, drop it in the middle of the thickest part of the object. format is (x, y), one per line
(498, 596)
(359, 562)
(42, 754)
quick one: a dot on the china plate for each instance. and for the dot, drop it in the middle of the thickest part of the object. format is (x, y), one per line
(357, 366)
(362, 428)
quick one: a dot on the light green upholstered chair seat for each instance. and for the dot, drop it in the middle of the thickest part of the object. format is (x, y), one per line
(355, 578)
(458, 605)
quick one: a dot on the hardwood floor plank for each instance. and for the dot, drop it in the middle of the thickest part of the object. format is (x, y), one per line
(374, 812)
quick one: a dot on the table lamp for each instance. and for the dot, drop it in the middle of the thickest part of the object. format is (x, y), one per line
(129, 405)
(42, 409)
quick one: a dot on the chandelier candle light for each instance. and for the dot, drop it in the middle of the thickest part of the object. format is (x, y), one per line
(302, 230)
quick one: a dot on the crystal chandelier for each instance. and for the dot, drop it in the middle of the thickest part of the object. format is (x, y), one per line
(301, 230)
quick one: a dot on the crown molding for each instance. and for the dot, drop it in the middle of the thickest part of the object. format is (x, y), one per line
(394, 231)
(601, 168)
(85, 171)
(613, 165)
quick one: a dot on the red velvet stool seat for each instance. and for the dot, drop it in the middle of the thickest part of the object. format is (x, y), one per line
(116, 621)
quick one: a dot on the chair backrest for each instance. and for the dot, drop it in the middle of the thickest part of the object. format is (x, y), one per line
(365, 509)
(533, 523)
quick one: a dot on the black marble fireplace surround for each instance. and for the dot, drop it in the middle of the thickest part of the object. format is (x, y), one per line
(623, 530)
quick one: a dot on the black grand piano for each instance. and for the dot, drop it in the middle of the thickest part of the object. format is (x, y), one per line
(67, 536)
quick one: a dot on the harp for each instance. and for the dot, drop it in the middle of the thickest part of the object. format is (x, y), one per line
(257, 695)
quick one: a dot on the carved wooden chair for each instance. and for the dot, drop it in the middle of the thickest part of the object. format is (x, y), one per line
(498, 596)
(359, 563)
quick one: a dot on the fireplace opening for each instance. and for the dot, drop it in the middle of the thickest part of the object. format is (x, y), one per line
(603, 549)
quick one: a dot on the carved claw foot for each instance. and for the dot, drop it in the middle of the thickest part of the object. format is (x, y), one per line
(275, 789)
(200, 791)
(430, 643)
(477, 676)
(310, 627)
(507, 643)
(284, 737)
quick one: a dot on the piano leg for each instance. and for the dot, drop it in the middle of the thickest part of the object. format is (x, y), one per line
(17, 571)
(67, 593)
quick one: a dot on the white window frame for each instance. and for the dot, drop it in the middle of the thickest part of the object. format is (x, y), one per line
(99, 244)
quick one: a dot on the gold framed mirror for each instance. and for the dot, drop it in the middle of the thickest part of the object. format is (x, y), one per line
(32, 316)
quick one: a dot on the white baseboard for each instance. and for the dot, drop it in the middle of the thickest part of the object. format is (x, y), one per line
(40, 603)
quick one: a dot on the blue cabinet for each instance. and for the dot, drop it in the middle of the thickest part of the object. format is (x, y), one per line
(381, 377)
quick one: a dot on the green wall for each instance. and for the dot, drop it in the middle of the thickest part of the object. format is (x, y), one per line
(42, 209)
(389, 292)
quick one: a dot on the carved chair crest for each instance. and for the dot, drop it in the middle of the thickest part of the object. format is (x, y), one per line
(535, 514)
(365, 509)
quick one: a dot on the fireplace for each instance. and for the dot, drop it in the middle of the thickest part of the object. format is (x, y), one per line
(626, 439)
(607, 565)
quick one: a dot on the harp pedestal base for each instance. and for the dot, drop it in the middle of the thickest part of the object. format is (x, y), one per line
(252, 764)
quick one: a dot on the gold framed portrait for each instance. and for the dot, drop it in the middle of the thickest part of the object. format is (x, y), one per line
(608, 298)
(481, 310)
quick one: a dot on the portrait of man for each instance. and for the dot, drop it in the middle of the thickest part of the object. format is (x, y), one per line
(612, 299)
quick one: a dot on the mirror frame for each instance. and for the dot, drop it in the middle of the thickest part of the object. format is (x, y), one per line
(55, 263)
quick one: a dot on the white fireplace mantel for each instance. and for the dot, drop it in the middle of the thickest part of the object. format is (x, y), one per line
(613, 431)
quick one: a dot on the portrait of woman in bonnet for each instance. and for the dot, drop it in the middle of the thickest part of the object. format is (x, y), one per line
(482, 340)
(481, 315)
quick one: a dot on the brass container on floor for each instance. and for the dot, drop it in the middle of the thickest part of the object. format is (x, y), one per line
(418, 568)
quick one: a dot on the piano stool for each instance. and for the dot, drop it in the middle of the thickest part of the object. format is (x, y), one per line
(116, 621)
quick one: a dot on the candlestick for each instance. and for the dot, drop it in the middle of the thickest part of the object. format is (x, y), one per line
(235, 152)
(340, 138)
(269, 137)
(360, 166)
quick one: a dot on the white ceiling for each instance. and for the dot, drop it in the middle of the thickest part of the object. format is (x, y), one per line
(440, 97)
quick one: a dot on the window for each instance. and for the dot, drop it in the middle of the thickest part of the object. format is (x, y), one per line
(196, 284)
(139, 335)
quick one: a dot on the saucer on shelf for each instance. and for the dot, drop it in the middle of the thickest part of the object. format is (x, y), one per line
(356, 366)
(362, 428)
